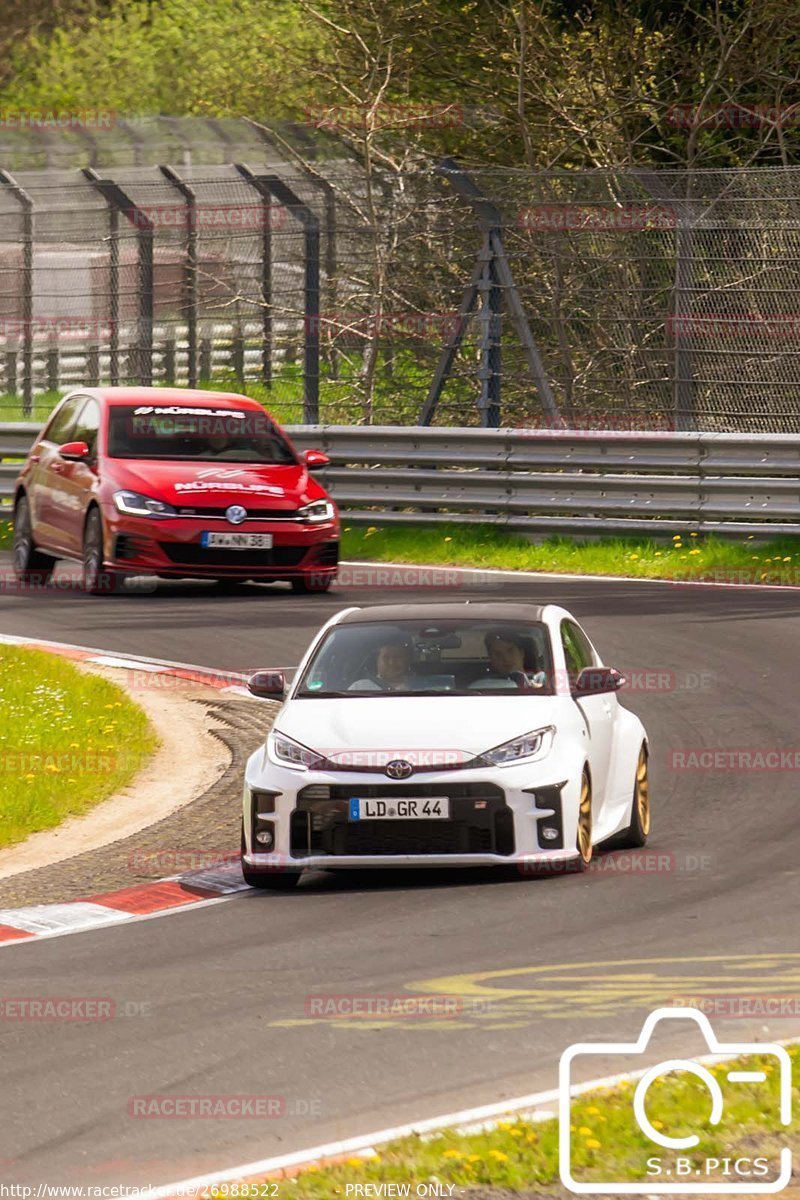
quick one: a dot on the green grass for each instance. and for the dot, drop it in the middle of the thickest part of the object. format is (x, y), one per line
(398, 394)
(735, 560)
(67, 741)
(522, 1156)
(709, 559)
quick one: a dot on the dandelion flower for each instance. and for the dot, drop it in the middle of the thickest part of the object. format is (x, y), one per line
(585, 1131)
(592, 1144)
(498, 1155)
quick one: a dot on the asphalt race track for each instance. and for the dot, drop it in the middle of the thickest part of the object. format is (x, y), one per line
(216, 1001)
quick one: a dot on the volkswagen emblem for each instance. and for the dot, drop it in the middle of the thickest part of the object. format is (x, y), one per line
(398, 768)
(236, 514)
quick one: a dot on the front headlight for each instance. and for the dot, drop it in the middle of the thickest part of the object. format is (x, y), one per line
(526, 748)
(318, 511)
(137, 505)
(289, 753)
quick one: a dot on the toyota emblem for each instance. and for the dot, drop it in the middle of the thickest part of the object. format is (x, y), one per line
(236, 514)
(398, 768)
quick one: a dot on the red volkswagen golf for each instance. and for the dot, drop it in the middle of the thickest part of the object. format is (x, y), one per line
(160, 481)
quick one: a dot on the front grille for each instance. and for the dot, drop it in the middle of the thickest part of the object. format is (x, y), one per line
(480, 822)
(192, 554)
(253, 514)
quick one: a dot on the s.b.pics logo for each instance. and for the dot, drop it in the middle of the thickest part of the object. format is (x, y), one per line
(667, 1142)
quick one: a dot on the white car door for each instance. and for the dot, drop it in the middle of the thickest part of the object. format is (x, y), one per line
(599, 712)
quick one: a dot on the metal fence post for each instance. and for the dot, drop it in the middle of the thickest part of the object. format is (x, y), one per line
(685, 416)
(274, 186)
(26, 205)
(257, 182)
(117, 199)
(190, 197)
(317, 180)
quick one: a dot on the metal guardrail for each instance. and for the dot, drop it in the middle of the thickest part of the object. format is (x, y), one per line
(544, 481)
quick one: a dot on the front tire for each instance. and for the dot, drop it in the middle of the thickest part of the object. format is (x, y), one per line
(637, 833)
(584, 839)
(30, 565)
(271, 881)
(97, 581)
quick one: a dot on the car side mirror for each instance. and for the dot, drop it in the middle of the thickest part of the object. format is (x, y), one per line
(316, 460)
(267, 685)
(594, 681)
(74, 451)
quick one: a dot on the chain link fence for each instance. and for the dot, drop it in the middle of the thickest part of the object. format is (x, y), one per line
(651, 300)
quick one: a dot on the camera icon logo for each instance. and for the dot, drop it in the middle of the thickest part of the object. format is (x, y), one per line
(673, 1172)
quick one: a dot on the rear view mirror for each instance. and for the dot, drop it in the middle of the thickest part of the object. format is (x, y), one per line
(267, 685)
(594, 681)
(73, 451)
(316, 460)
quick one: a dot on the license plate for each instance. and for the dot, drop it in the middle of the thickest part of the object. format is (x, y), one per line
(237, 541)
(401, 808)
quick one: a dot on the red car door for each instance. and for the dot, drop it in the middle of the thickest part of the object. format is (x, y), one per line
(72, 483)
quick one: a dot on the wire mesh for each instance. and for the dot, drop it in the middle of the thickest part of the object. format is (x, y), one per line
(657, 299)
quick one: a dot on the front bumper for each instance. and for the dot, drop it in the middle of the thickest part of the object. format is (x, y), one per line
(172, 547)
(518, 816)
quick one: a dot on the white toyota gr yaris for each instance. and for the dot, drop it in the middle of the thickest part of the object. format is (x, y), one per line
(444, 735)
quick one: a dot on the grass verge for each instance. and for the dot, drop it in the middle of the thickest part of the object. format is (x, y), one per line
(521, 1157)
(687, 556)
(67, 741)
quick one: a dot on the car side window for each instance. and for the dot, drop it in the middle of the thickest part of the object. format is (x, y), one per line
(87, 426)
(61, 424)
(577, 651)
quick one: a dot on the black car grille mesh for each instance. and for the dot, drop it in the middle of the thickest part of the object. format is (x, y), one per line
(480, 822)
(192, 554)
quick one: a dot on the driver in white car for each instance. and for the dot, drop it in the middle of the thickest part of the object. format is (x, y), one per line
(512, 661)
(392, 669)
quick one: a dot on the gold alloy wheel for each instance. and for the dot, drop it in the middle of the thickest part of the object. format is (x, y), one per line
(642, 799)
(585, 821)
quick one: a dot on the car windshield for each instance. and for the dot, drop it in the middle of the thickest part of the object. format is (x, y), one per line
(196, 434)
(423, 657)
